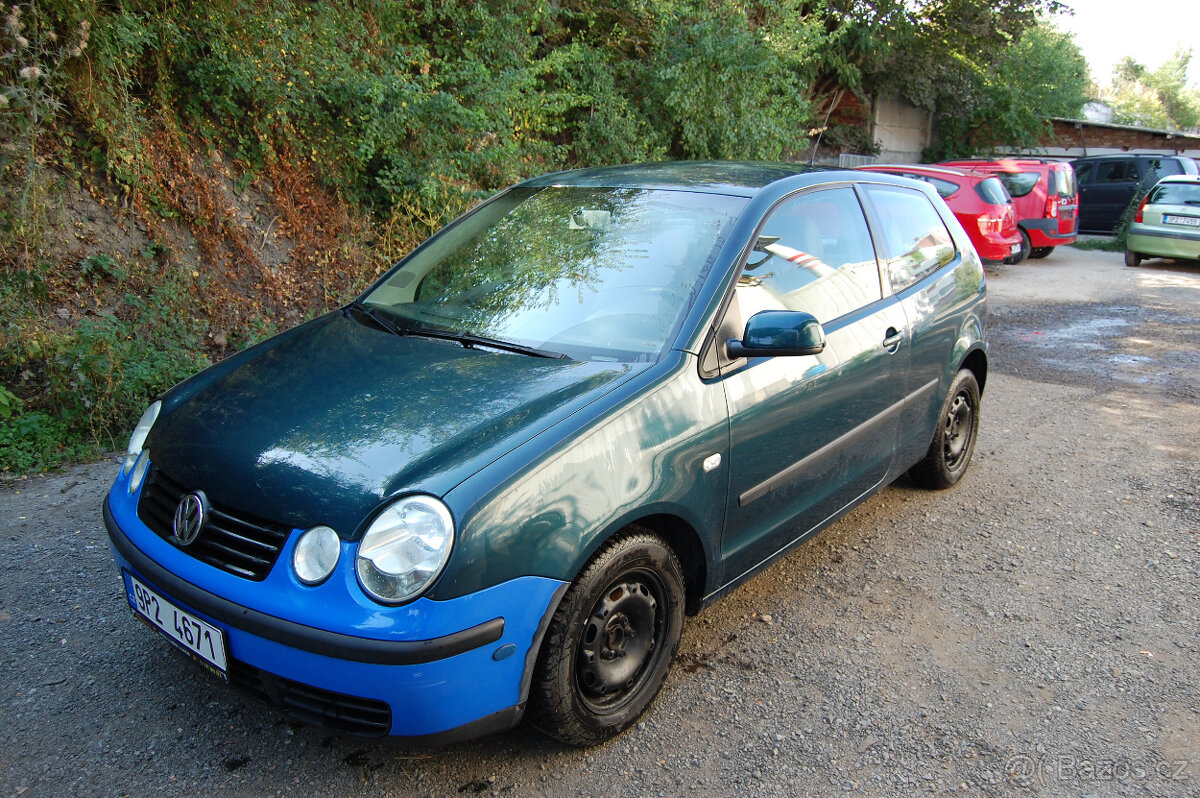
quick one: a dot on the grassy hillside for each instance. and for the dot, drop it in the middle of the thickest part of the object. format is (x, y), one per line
(179, 178)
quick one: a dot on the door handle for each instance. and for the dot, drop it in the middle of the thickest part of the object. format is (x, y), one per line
(892, 339)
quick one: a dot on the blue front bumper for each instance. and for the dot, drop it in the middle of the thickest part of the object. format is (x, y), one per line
(444, 670)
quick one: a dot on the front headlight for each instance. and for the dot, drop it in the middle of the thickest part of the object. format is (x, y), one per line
(316, 555)
(404, 549)
(138, 439)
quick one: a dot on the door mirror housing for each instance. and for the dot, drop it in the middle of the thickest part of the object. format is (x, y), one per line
(770, 333)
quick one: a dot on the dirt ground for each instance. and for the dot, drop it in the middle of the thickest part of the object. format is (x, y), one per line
(1034, 631)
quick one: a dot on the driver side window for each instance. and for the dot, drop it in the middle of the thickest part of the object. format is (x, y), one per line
(814, 254)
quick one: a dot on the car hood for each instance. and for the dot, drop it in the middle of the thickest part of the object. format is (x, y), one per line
(321, 424)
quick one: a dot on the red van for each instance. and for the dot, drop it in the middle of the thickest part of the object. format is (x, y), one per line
(1045, 195)
(979, 201)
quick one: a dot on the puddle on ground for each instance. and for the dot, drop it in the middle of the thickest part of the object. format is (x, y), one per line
(1094, 341)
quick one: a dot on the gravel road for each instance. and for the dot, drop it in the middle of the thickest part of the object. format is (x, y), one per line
(1034, 631)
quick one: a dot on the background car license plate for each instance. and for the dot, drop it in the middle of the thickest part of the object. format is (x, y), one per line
(196, 637)
(1190, 221)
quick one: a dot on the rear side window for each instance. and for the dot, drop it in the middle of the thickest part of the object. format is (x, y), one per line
(1175, 194)
(915, 237)
(1019, 183)
(992, 191)
(1165, 166)
(1083, 172)
(944, 188)
(1116, 172)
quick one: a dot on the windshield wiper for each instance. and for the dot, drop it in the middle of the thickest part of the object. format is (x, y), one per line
(471, 341)
(380, 319)
(466, 339)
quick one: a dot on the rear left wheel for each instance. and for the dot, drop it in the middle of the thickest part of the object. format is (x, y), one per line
(610, 643)
(1040, 252)
(1132, 259)
(954, 440)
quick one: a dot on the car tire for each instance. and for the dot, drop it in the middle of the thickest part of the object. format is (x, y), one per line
(611, 641)
(1132, 259)
(1026, 248)
(1040, 252)
(954, 439)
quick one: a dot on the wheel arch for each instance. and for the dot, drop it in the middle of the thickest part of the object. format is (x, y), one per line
(685, 541)
(976, 362)
(678, 533)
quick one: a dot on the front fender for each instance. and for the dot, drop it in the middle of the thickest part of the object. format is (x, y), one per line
(547, 506)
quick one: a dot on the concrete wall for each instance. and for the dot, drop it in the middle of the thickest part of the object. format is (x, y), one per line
(901, 131)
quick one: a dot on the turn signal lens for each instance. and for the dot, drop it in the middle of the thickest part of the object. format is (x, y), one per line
(139, 471)
(138, 439)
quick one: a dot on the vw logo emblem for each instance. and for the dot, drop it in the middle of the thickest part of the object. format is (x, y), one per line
(190, 516)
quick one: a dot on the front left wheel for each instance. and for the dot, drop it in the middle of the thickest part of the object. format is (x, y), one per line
(610, 643)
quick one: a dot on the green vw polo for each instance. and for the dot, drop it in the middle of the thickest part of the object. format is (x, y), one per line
(493, 485)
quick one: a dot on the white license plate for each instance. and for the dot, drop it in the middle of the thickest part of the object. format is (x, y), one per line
(1015, 248)
(1190, 221)
(200, 639)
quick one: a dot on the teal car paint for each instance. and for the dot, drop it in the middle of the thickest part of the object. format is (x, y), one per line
(352, 437)
(599, 400)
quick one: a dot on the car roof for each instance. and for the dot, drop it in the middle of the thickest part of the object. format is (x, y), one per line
(1180, 179)
(1112, 155)
(1008, 162)
(738, 178)
(925, 169)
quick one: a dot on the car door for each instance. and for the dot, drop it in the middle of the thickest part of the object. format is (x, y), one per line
(1103, 199)
(810, 434)
(924, 268)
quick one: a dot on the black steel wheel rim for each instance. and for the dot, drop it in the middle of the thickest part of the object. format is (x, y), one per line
(956, 439)
(621, 641)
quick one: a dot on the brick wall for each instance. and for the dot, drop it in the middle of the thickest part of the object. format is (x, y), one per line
(1077, 138)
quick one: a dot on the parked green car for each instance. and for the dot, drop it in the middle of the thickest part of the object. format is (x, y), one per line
(494, 484)
(1167, 223)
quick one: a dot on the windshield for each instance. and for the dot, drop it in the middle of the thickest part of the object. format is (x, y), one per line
(1175, 194)
(594, 273)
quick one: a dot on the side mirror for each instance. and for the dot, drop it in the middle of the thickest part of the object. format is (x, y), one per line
(779, 332)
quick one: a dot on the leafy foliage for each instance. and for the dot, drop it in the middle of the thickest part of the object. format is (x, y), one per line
(999, 86)
(365, 125)
(1160, 98)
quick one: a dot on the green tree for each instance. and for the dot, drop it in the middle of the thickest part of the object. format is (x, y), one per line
(993, 79)
(1159, 98)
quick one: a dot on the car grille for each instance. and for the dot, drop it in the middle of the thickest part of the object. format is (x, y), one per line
(239, 544)
(364, 717)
